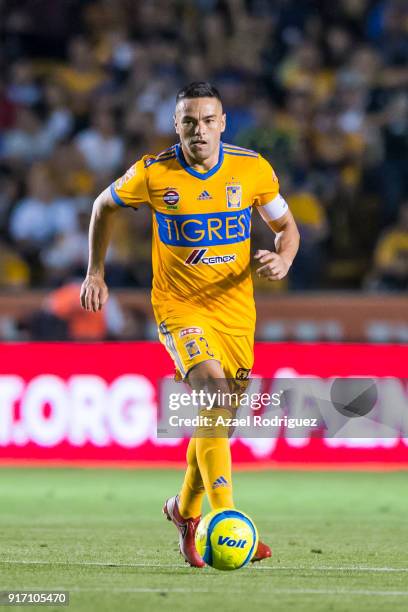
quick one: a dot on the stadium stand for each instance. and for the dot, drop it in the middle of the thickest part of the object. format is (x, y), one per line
(319, 89)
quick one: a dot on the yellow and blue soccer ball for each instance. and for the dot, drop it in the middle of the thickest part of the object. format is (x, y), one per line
(226, 539)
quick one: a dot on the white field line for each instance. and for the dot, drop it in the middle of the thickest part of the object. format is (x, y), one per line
(365, 592)
(272, 568)
(325, 568)
(341, 592)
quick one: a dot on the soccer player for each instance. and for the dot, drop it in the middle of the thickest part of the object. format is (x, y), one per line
(201, 192)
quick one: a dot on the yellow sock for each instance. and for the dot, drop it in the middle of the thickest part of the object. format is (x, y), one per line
(214, 459)
(192, 491)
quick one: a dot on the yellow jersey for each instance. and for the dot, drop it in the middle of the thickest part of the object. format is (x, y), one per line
(201, 231)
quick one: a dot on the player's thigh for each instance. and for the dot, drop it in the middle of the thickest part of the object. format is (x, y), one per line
(190, 341)
(237, 355)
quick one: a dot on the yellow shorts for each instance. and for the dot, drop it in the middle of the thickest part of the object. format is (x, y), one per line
(190, 340)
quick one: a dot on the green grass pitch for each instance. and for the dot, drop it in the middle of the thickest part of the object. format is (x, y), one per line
(339, 539)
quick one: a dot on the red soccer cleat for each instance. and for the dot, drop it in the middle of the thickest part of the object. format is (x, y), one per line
(186, 528)
(262, 552)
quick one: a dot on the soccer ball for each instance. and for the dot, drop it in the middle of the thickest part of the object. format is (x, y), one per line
(226, 539)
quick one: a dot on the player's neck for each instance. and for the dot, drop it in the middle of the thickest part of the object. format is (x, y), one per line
(202, 165)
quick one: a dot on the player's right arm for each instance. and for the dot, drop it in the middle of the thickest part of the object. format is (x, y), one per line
(128, 191)
(94, 291)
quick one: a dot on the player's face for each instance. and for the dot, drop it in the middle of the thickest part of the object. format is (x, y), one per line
(200, 122)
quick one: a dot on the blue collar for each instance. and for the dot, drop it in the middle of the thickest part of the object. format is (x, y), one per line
(190, 170)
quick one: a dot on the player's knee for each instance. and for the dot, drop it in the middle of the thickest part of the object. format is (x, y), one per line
(212, 389)
(208, 374)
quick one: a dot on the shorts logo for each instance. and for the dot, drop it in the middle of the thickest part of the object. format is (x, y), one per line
(190, 330)
(192, 348)
(242, 374)
(197, 256)
(171, 197)
(234, 196)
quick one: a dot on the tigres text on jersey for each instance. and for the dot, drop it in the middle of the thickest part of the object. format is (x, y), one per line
(201, 231)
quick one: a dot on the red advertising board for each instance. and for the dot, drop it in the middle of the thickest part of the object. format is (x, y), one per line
(85, 403)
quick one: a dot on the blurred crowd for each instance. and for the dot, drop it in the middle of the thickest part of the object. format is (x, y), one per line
(319, 88)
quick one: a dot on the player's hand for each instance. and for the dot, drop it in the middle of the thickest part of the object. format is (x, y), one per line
(275, 266)
(94, 293)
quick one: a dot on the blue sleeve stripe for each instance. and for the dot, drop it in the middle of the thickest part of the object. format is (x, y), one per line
(116, 198)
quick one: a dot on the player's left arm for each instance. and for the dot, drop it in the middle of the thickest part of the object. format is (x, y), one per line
(276, 265)
(274, 210)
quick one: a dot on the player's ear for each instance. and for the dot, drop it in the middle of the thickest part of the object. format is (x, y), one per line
(175, 123)
(223, 122)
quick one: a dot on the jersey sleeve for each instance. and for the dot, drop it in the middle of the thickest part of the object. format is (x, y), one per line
(131, 189)
(267, 184)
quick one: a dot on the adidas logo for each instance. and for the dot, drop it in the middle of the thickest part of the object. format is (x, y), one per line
(220, 482)
(204, 195)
